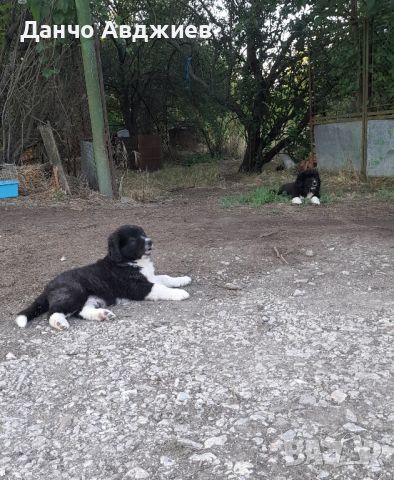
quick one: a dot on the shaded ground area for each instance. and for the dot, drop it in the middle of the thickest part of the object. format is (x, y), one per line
(277, 368)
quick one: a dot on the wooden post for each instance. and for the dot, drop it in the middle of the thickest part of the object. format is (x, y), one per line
(54, 157)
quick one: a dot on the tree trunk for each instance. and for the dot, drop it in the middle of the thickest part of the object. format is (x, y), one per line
(251, 157)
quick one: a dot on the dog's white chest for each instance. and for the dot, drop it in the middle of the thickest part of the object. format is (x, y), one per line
(147, 268)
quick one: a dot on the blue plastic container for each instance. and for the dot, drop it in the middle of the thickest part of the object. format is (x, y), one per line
(9, 188)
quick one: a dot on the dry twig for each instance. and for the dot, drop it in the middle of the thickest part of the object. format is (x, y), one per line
(280, 256)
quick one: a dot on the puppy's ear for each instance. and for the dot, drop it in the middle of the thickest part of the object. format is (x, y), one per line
(114, 248)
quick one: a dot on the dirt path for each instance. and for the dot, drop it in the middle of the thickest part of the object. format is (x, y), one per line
(265, 381)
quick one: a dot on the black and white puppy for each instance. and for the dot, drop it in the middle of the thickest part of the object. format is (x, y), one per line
(307, 185)
(125, 274)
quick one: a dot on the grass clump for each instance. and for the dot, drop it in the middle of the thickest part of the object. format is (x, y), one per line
(256, 198)
(386, 193)
(196, 158)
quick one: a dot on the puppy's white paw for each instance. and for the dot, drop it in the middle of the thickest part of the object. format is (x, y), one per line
(102, 314)
(296, 201)
(90, 312)
(315, 201)
(182, 281)
(21, 321)
(58, 321)
(179, 294)
(161, 292)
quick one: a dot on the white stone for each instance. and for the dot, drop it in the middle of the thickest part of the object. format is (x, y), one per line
(210, 442)
(183, 396)
(308, 399)
(208, 458)
(351, 416)
(137, 473)
(190, 443)
(323, 474)
(289, 435)
(352, 427)
(338, 396)
(258, 441)
(298, 293)
(166, 461)
(243, 468)
(10, 356)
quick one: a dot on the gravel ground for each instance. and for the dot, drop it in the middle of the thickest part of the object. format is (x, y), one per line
(276, 367)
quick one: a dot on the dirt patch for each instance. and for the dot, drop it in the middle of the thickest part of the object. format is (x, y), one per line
(267, 351)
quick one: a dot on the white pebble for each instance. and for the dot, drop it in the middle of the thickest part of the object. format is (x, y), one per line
(210, 442)
(338, 396)
(298, 293)
(137, 473)
(243, 468)
(204, 458)
(183, 396)
(166, 461)
(352, 427)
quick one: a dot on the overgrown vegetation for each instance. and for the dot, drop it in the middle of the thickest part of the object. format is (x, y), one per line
(263, 195)
(253, 78)
(146, 186)
(335, 187)
(257, 190)
(255, 198)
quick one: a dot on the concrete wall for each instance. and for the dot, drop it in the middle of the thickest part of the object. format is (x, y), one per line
(338, 145)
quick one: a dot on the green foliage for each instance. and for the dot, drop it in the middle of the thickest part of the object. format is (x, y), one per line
(386, 193)
(250, 78)
(49, 72)
(256, 198)
(337, 56)
(58, 12)
(5, 11)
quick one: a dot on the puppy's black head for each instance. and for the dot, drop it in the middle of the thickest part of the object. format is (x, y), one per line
(310, 180)
(128, 243)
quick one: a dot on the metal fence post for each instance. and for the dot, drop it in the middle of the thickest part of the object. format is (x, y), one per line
(364, 102)
(94, 99)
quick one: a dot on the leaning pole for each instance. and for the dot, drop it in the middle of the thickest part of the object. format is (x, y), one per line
(94, 99)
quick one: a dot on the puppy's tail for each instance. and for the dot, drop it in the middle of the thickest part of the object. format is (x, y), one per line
(38, 307)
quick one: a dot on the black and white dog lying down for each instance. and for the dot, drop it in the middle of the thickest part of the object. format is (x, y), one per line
(125, 274)
(307, 185)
